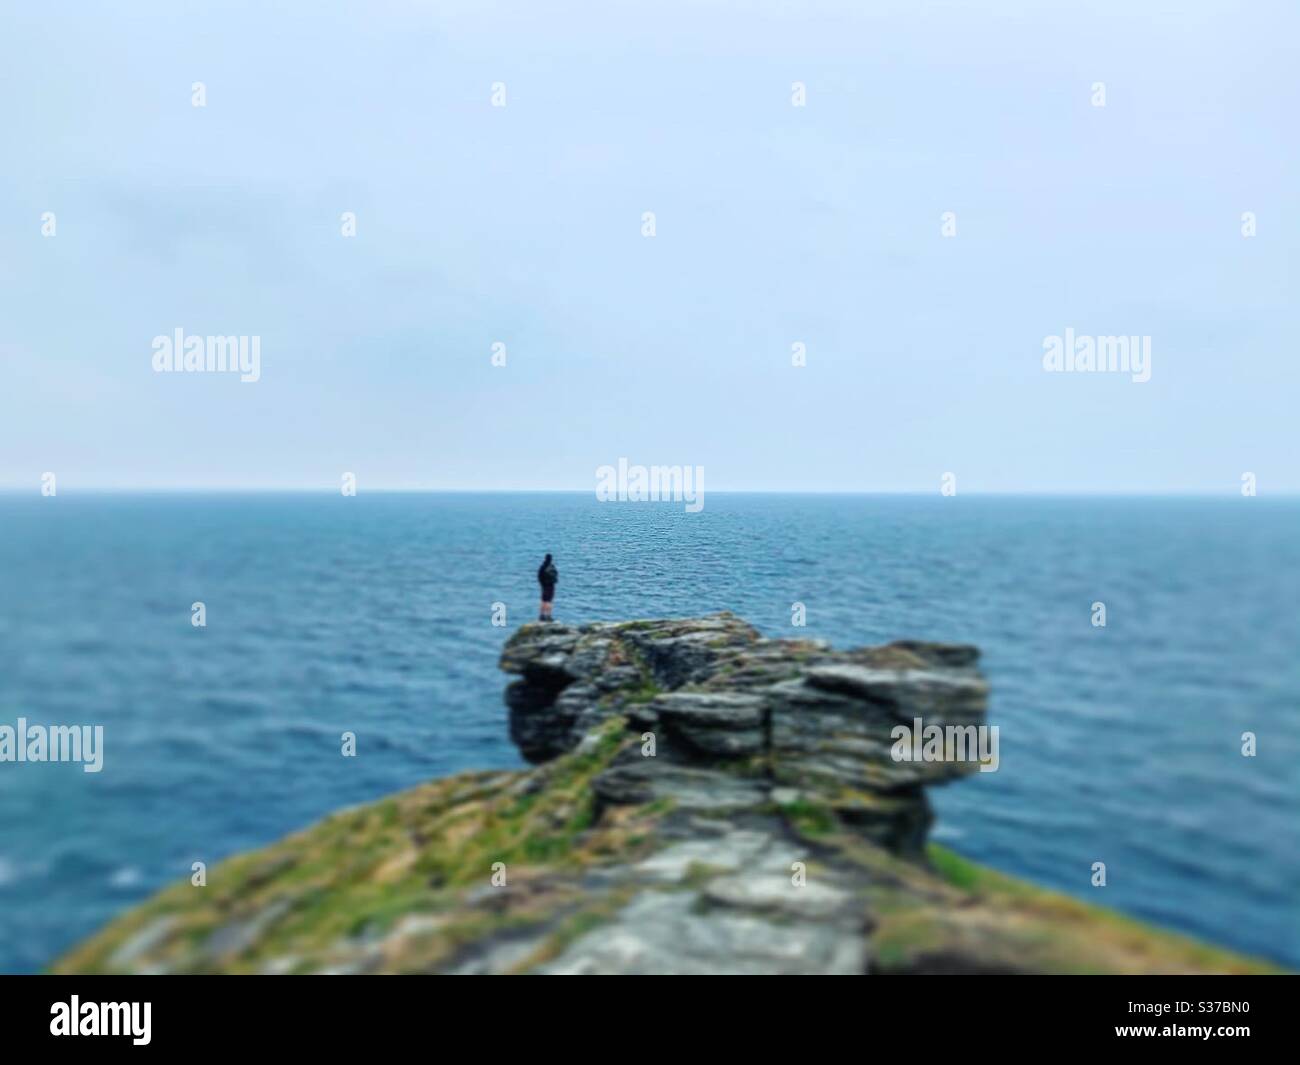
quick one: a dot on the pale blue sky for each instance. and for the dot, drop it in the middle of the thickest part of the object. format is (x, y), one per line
(775, 224)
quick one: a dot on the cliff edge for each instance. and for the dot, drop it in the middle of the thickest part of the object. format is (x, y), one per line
(704, 800)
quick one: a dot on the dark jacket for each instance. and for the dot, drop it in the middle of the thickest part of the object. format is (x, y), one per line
(547, 575)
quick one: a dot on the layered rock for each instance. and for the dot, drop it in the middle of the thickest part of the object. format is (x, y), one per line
(704, 801)
(736, 717)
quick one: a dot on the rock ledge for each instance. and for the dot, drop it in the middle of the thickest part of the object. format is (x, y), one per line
(703, 800)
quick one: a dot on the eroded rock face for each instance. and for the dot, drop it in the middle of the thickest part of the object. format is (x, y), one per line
(734, 716)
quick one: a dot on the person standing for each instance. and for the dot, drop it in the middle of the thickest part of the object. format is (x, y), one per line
(547, 575)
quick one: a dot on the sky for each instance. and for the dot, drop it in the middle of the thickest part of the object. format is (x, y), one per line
(523, 225)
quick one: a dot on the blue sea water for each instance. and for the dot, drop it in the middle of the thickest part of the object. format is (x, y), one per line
(373, 615)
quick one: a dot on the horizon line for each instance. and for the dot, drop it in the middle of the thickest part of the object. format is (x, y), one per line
(179, 490)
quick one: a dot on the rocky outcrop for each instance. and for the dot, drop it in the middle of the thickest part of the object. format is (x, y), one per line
(734, 717)
(703, 800)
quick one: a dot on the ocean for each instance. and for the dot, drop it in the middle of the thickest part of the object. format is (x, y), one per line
(325, 614)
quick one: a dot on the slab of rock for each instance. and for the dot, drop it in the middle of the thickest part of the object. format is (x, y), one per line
(712, 692)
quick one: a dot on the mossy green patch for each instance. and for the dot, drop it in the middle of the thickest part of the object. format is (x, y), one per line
(810, 818)
(312, 898)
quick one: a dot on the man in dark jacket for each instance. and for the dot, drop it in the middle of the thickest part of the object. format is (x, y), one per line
(547, 575)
